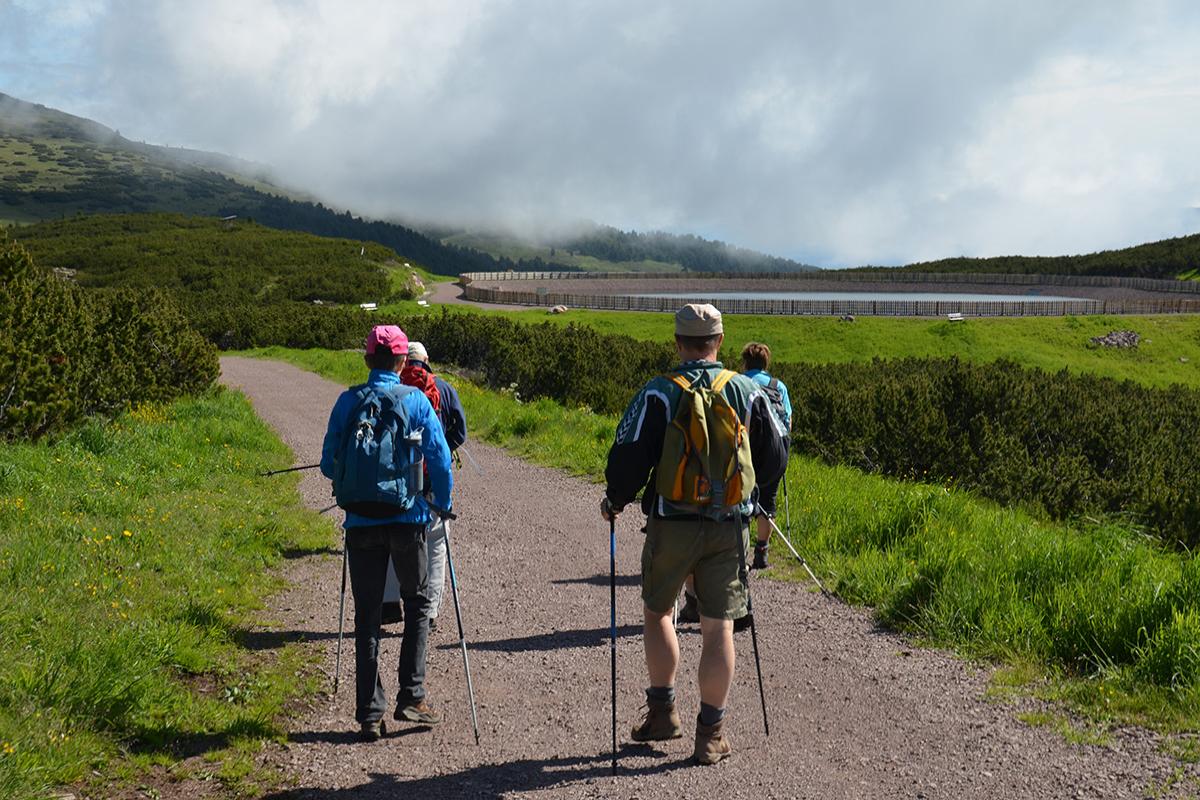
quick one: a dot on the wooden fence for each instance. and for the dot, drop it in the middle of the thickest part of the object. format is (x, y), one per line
(899, 308)
(998, 279)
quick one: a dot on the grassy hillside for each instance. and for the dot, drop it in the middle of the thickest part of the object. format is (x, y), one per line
(206, 256)
(52, 163)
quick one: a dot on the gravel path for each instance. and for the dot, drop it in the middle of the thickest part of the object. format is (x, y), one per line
(856, 712)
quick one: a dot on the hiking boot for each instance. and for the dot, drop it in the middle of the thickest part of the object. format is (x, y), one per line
(690, 611)
(760, 556)
(419, 713)
(661, 723)
(371, 731)
(711, 744)
(432, 624)
(742, 623)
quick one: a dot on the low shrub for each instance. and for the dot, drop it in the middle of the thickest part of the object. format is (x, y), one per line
(1069, 444)
(66, 353)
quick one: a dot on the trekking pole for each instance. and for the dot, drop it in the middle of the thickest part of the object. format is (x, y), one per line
(612, 626)
(787, 506)
(799, 557)
(470, 458)
(337, 669)
(289, 469)
(744, 576)
(462, 638)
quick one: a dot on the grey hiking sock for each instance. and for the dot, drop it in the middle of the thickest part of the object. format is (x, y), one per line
(661, 694)
(710, 715)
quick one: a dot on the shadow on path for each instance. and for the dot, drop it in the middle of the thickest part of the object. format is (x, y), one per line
(601, 580)
(492, 780)
(394, 731)
(305, 552)
(273, 640)
(555, 640)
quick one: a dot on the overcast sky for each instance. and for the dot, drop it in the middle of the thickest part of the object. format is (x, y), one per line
(841, 133)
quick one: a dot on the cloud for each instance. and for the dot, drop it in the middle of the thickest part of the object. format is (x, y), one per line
(843, 132)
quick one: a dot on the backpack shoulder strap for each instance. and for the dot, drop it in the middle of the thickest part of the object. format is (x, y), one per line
(773, 383)
(396, 393)
(678, 380)
(396, 390)
(723, 377)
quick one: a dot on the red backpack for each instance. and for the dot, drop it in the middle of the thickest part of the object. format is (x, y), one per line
(416, 375)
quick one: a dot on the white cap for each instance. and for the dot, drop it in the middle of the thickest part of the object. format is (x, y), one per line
(416, 352)
(694, 319)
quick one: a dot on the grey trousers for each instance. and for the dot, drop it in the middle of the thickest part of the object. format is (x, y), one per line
(436, 544)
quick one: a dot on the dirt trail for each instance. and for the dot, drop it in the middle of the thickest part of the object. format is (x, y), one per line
(855, 711)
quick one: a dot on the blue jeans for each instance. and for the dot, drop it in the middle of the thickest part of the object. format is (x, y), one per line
(368, 550)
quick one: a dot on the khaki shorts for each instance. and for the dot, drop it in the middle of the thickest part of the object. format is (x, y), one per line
(675, 549)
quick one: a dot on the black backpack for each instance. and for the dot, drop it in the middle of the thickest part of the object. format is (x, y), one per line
(775, 398)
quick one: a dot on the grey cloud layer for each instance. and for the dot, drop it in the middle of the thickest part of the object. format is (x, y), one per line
(845, 132)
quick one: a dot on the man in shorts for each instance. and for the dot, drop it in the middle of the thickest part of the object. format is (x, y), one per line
(682, 541)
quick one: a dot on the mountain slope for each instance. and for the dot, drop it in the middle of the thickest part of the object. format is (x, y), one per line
(1169, 258)
(54, 164)
(220, 262)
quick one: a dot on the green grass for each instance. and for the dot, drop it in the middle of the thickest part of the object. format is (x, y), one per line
(1092, 613)
(134, 556)
(1070, 731)
(1049, 343)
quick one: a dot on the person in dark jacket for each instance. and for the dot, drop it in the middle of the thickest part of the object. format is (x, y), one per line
(374, 546)
(683, 541)
(454, 424)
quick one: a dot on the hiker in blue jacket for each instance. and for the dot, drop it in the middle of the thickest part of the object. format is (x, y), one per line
(371, 540)
(756, 357)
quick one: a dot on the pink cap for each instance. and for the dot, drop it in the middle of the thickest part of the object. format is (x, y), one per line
(389, 337)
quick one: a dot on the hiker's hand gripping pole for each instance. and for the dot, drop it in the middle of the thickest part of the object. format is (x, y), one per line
(609, 511)
(442, 513)
(799, 557)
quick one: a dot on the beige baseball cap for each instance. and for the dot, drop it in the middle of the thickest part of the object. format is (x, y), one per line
(698, 319)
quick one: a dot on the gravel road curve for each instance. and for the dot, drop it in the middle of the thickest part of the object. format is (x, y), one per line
(855, 711)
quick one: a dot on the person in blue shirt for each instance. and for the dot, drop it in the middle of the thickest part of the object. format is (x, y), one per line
(756, 357)
(371, 541)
